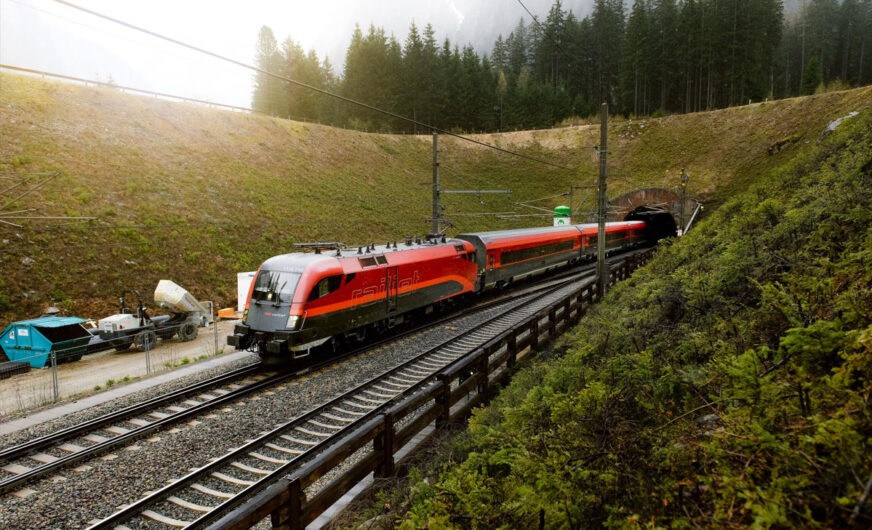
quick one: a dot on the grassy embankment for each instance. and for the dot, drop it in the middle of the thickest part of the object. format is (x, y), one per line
(726, 384)
(195, 194)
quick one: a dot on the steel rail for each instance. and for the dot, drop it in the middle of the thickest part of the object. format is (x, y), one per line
(473, 338)
(124, 438)
(26, 448)
(77, 431)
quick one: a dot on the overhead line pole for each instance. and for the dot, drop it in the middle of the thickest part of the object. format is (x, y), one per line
(602, 270)
(437, 209)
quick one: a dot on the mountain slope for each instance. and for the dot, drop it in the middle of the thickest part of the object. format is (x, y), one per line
(196, 194)
(726, 384)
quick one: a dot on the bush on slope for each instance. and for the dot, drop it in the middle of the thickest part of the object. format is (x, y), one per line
(727, 383)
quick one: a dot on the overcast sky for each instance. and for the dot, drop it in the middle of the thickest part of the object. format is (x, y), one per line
(46, 35)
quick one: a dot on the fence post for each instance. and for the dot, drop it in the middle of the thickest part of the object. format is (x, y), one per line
(483, 375)
(147, 345)
(287, 517)
(214, 326)
(385, 444)
(55, 391)
(512, 347)
(444, 399)
(534, 333)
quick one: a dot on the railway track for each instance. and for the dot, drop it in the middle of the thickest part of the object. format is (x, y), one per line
(200, 497)
(48, 454)
(118, 428)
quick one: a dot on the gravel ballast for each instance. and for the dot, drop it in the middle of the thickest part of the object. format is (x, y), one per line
(73, 499)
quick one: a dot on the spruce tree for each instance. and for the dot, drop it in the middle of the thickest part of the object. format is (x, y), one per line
(811, 76)
(267, 95)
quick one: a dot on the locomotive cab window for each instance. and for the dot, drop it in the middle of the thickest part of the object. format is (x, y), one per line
(325, 286)
(274, 286)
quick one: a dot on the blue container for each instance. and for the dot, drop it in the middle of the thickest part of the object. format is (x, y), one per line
(32, 341)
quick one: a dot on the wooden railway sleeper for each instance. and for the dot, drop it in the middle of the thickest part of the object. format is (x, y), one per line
(189, 505)
(269, 459)
(283, 449)
(169, 521)
(313, 433)
(250, 469)
(307, 443)
(209, 491)
(403, 387)
(350, 413)
(358, 405)
(317, 423)
(337, 418)
(232, 480)
(377, 402)
(382, 396)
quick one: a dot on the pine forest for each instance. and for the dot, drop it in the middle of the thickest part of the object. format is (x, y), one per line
(650, 58)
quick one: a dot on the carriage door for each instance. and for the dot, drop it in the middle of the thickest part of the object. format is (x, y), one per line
(393, 288)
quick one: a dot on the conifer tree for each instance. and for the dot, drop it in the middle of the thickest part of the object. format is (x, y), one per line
(811, 76)
(267, 95)
(634, 66)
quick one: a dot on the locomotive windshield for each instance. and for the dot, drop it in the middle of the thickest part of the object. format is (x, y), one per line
(275, 286)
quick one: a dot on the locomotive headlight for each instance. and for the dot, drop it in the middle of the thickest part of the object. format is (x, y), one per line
(245, 316)
(292, 322)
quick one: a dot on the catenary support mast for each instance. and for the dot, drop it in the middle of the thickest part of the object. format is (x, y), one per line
(602, 269)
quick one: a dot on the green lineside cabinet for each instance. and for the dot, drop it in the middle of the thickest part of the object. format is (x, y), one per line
(561, 215)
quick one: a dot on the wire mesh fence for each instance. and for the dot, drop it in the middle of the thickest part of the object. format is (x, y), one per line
(100, 361)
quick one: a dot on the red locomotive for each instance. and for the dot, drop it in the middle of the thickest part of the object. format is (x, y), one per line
(301, 301)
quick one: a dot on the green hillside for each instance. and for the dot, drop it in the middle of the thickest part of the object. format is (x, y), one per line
(725, 385)
(195, 194)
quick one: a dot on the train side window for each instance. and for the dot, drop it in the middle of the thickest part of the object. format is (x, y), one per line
(350, 277)
(381, 260)
(592, 240)
(470, 257)
(513, 256)
(366, 262)
(490, 260)
(325, 286)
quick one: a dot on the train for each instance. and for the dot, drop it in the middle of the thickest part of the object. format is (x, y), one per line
(305, 302)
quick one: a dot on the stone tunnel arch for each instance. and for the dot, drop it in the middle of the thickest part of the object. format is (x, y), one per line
(658, 207)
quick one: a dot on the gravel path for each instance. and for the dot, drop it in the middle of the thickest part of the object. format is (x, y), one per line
(75, 497)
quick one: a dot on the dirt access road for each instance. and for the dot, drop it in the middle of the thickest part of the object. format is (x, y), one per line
(34, 389)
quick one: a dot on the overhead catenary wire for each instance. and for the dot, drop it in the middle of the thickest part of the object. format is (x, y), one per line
(309, 87)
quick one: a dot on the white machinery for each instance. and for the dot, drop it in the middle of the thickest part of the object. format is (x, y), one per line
(172, 297)
(130, 326)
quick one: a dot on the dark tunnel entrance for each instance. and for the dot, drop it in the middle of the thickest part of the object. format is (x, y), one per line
(661, 224)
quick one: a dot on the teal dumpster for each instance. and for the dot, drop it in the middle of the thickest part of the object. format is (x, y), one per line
(32, 341)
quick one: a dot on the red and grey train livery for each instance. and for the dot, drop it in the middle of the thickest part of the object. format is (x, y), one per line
(300, 301)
